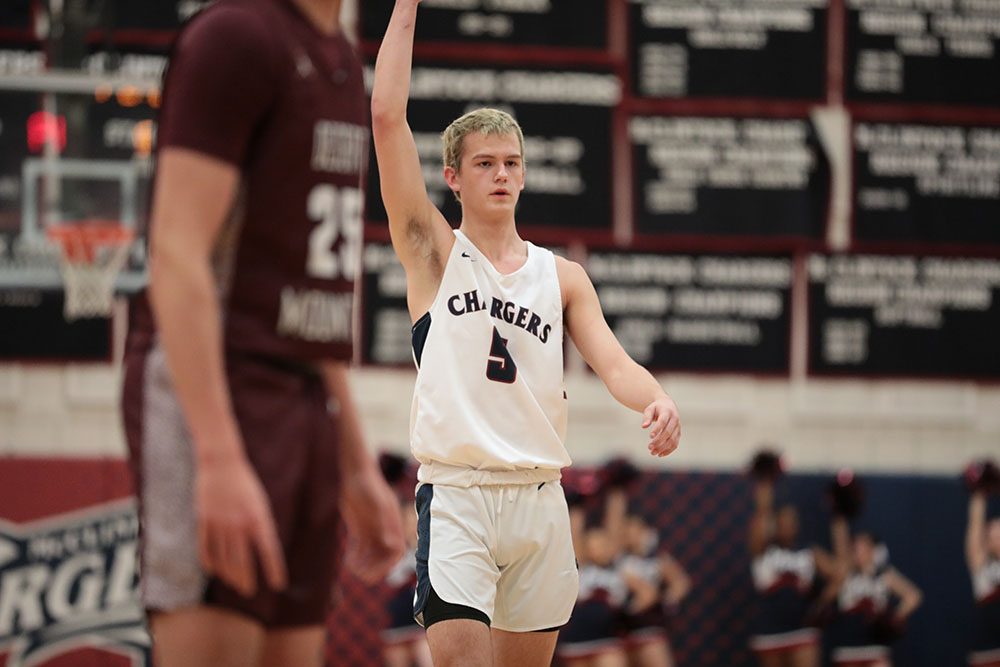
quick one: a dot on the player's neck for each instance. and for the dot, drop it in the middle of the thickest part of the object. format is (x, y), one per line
(497, 240)
(324, 14)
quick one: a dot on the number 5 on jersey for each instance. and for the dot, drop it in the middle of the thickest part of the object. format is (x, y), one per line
(500, 367)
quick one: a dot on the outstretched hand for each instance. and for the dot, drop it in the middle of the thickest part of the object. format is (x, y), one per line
(664, 425)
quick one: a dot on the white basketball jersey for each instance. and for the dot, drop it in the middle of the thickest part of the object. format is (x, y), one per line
(489, 405)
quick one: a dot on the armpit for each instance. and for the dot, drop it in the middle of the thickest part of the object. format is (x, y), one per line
(422, 245)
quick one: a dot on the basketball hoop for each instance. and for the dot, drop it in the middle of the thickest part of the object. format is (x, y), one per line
(93, 252)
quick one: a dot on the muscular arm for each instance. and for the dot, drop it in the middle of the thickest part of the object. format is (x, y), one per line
(631, 384)
(221, 82)
(420, 234)
(192, 194)
(975, 532)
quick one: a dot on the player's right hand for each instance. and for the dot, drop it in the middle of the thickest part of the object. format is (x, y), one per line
(664, 424)
(235, 521)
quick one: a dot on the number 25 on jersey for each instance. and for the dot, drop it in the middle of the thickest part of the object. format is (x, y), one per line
(338, 214)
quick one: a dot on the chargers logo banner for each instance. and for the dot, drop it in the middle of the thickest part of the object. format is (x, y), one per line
(69, 582)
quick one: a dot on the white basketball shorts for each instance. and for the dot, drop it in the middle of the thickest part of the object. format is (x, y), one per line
(504, 550)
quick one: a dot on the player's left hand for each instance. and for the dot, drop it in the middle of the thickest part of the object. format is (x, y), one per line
(664, 425)
(374, 526)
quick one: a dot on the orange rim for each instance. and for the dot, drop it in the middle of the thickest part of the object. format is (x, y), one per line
(80, 240)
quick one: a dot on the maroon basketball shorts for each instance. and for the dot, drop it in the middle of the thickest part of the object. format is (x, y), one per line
(290, 437)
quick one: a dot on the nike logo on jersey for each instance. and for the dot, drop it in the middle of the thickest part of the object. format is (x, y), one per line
(465, 254)
(506, 311)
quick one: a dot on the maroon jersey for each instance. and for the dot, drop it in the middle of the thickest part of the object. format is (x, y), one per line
(255, 84)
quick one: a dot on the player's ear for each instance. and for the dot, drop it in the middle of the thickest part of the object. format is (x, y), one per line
(452, 179)
(522, 175)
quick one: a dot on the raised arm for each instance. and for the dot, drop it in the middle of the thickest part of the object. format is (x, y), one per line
(975, 532)
(631, 384)
(420, 234)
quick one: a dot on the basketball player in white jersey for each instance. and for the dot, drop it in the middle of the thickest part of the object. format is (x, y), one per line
(496, 571)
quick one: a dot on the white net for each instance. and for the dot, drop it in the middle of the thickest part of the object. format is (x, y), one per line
(90, 285)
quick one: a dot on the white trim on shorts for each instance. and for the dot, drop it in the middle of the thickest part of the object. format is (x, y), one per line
(784, 640)
(171, 574)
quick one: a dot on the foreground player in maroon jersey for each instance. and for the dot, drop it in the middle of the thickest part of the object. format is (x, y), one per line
(244, 440)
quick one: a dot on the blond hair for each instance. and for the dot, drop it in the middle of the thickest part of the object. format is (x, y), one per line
(485, 120)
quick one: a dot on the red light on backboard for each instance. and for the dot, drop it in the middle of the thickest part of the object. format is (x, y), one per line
(46, 128)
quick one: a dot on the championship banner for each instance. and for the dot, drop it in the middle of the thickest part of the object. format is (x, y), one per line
(923, 52)
(729, 176)
(926, 183)
(720, 48)
(697, 312)
(904, 315)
